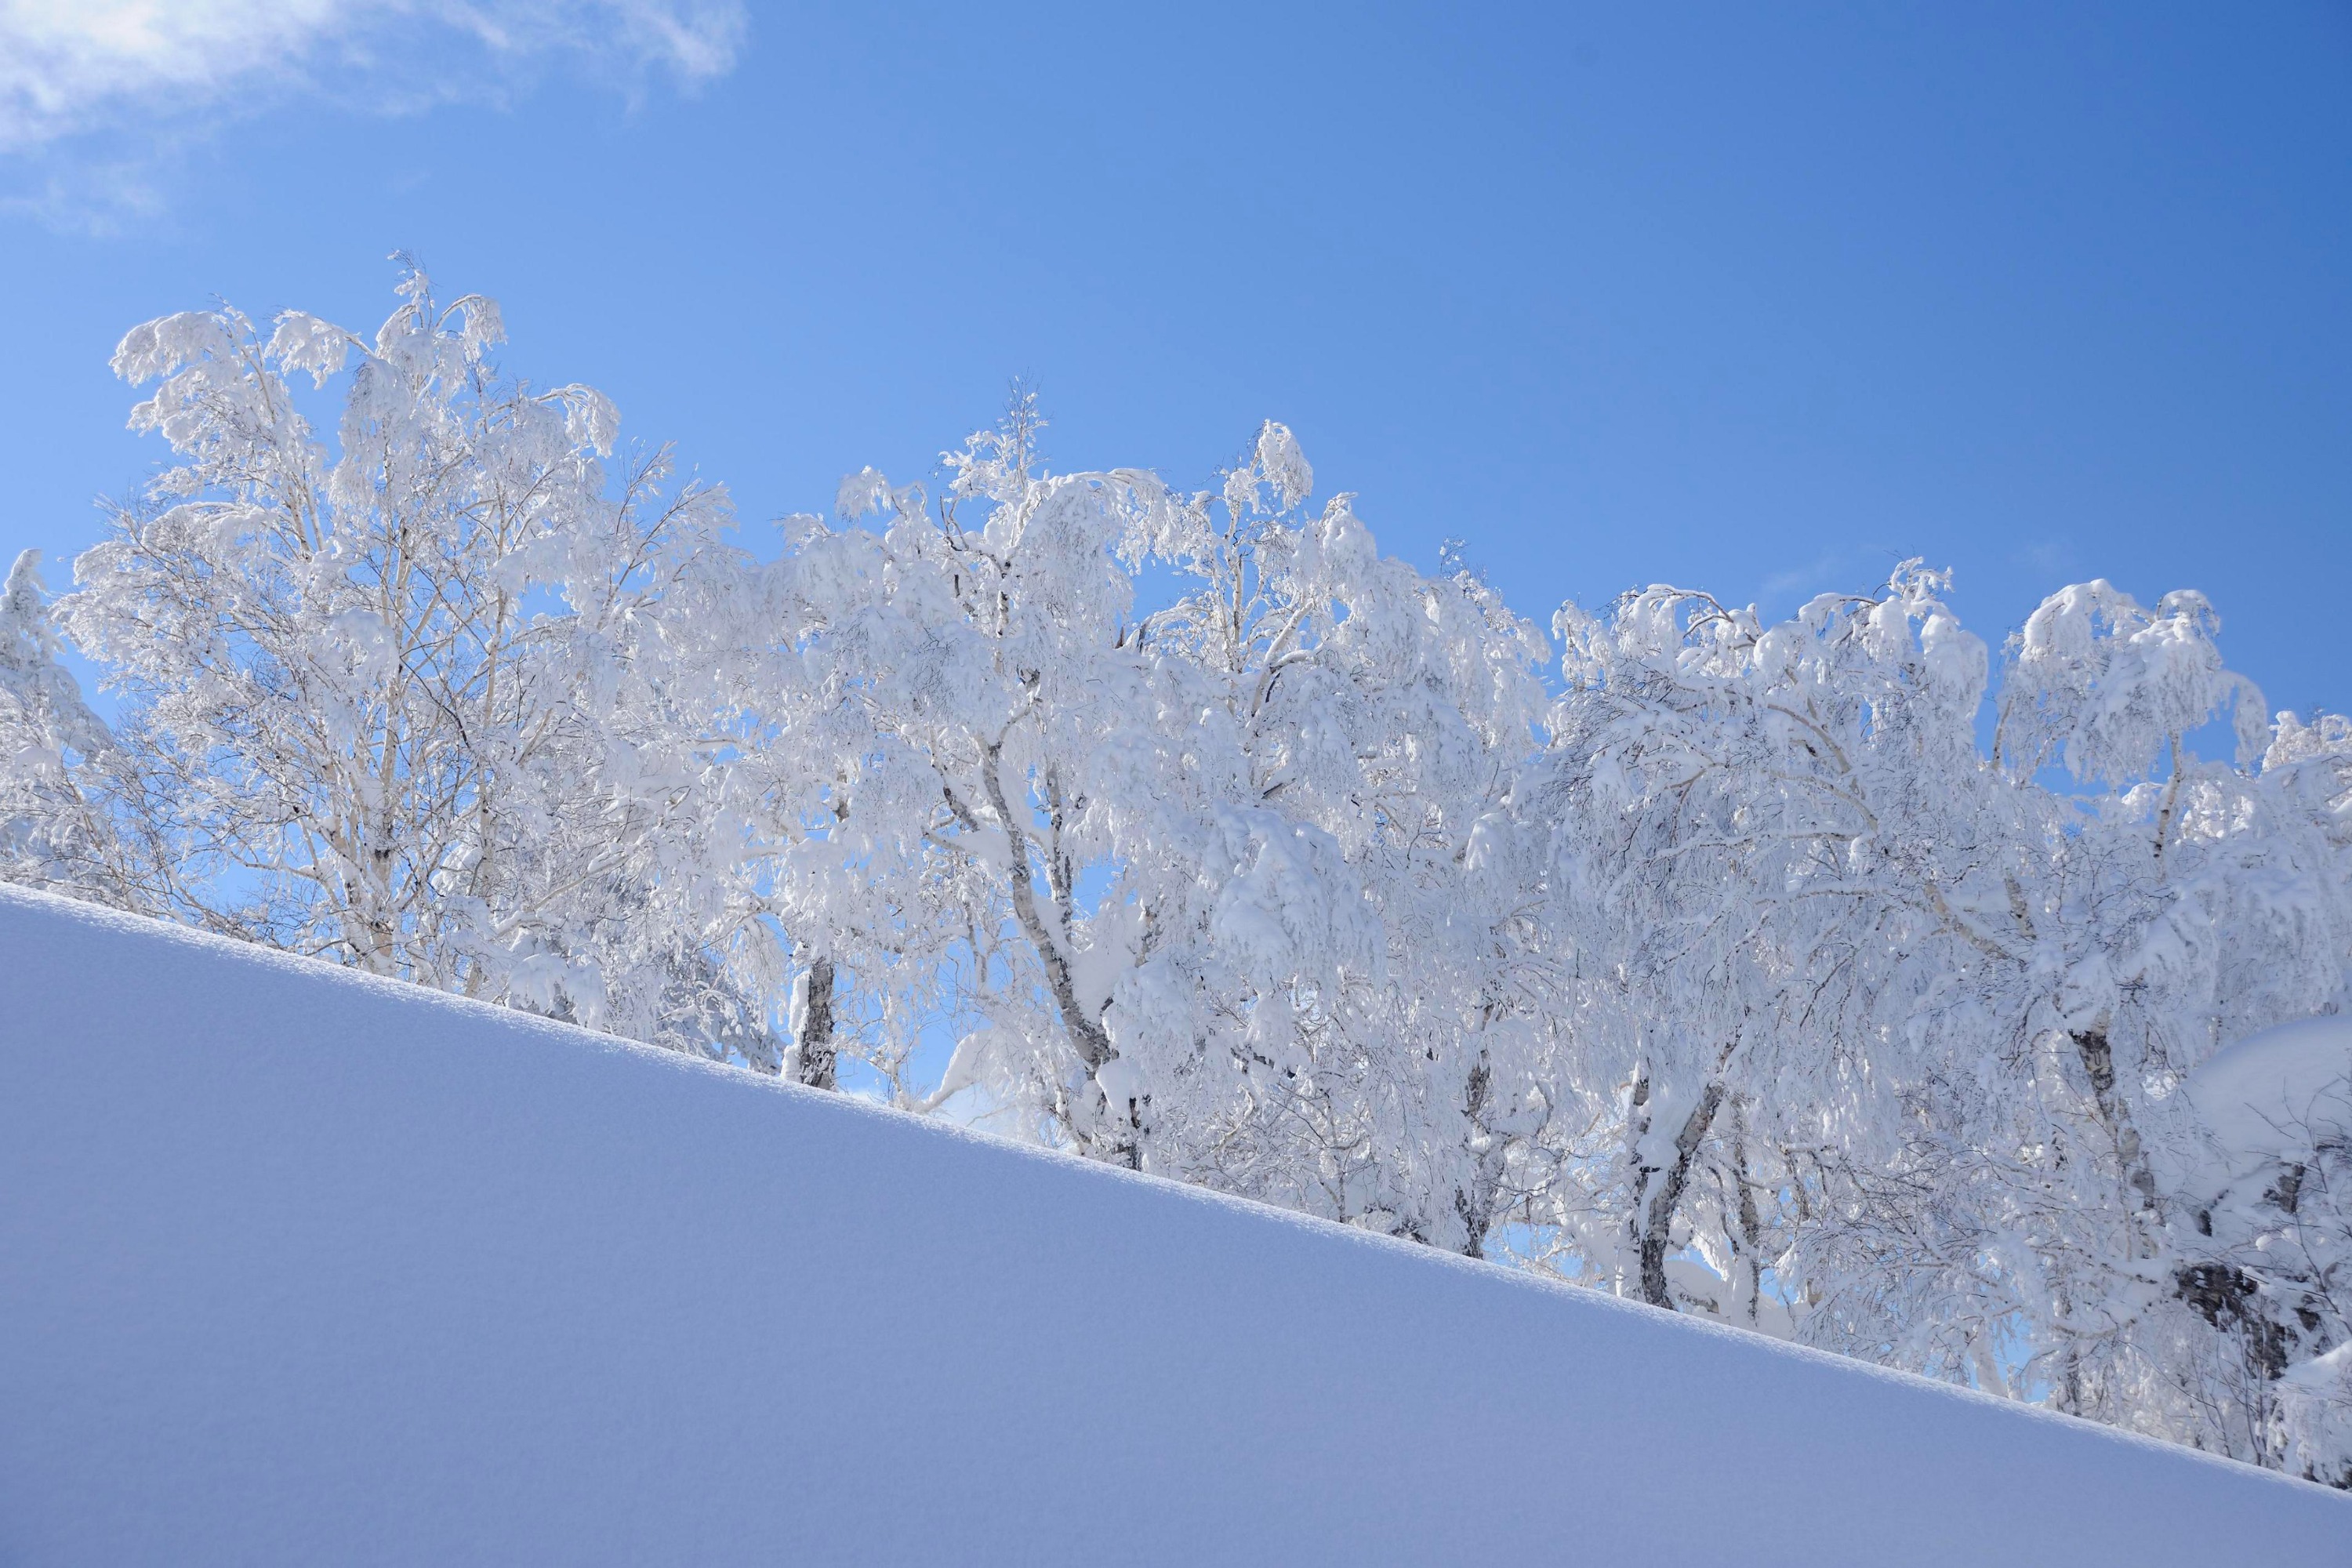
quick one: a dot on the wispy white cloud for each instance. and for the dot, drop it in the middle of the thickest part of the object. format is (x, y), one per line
(83, 80)
(1785, 584)
(2053, 556)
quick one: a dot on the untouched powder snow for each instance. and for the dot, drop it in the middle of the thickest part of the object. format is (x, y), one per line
(2269, 1090)
(300, 1266)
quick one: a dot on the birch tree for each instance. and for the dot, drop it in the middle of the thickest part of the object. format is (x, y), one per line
(58, 765)
(390, 694)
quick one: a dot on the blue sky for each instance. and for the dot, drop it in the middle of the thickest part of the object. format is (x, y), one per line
(1758, 302)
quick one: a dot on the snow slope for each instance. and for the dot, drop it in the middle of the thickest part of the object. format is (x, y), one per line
(301, 1267)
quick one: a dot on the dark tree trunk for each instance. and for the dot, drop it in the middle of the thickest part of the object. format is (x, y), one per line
(812, 1052)
(1658, 1221)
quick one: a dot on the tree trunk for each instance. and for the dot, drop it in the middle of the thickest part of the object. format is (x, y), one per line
(1749, 1270)
(1123, 1144)
(812, 1052)
(1087, 1035)
(1475, 1204)
(2098, 1058)
(1658, 1219)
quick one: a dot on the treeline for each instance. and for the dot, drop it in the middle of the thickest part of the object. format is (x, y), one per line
(1711, 962)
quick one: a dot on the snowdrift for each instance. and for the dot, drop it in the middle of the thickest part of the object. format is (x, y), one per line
(298, 1266)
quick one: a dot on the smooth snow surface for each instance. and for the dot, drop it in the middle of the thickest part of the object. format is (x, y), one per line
(2265, 1094)
(301, 1267)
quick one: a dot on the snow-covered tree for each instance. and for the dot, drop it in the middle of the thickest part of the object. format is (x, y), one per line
(1907, 1028)
(53, 751)
(1194, 888)
(1363, 1032)
(396, 701)
(1779, 873)
(2184, 904)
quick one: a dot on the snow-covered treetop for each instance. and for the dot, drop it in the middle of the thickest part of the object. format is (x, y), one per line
(2103, 685)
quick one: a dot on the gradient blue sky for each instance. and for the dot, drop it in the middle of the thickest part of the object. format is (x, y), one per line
(1759, 301)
